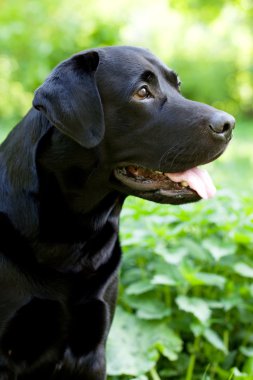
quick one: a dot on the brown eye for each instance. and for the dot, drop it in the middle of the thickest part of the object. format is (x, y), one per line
(142, 93)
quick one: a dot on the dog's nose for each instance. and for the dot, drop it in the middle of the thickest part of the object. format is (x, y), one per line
(221, 125)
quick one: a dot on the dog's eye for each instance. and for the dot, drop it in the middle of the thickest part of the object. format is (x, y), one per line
(142, 93)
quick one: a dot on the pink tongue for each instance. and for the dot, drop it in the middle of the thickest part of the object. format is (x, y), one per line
(198, 180)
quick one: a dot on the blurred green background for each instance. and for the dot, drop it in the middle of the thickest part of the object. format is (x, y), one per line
(196, 295)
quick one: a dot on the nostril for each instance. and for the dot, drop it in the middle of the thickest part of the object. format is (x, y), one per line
(217, 127)
(222, 127)
(227, 127)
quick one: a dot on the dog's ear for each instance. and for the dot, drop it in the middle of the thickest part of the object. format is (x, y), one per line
(70, 100)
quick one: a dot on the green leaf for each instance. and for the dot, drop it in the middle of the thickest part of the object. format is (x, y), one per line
(218, 249)
(173, 255)
(195, 248)
(211, 279)
(153, 309)
(198, 307)
(139, 287)
(248, 366)
(166, 273)
(162, 279)
(244, 270)
(127, 349)
(233, 302)
(148, 306)
(190, 275)
(213, 338)
(240, 375)
(247, 351)
(134, 345)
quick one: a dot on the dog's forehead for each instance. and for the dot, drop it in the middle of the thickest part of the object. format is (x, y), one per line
(128, 60)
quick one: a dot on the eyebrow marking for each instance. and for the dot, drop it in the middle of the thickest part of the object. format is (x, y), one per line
(172, 77)
(147, 76)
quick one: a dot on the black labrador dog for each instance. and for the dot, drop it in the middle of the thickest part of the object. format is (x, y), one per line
(106, 123)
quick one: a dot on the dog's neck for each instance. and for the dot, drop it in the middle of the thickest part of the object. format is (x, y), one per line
(77, 206)
(80, 243)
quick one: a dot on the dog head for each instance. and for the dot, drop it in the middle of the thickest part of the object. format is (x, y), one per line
(124, 102)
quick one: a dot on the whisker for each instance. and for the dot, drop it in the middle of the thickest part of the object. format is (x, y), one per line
(182, 151)
(169, 151)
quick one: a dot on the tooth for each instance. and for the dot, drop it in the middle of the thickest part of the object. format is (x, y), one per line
(184, 184)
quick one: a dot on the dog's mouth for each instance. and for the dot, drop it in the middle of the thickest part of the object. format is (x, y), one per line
(175, 188)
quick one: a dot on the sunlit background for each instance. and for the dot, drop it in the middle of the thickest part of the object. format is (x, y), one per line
(209, 43)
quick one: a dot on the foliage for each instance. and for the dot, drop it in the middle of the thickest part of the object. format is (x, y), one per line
(186, 296)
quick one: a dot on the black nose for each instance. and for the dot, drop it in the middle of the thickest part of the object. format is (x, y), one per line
(221, 125)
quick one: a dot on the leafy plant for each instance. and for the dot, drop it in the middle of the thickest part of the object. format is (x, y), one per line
(186, 296)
